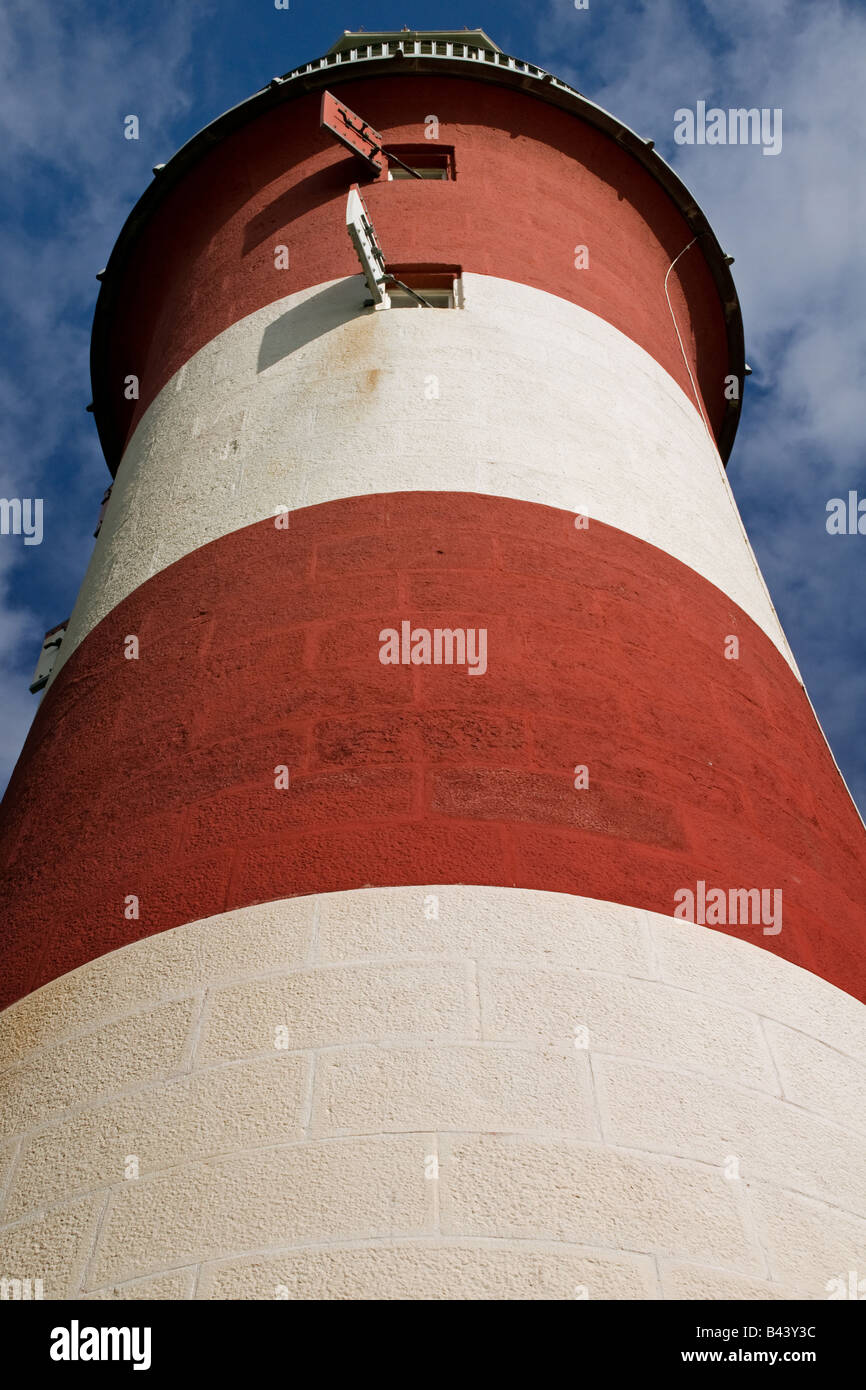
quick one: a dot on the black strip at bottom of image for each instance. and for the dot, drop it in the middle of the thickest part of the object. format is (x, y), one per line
(62, 1338)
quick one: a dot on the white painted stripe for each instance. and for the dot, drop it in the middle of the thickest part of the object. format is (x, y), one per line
(583, 1074)
(520, 394)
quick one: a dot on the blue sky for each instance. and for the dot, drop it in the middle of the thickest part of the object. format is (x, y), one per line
(70, 73)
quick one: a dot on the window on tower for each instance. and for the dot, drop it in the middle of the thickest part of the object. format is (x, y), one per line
(425, 286)
(420, 162)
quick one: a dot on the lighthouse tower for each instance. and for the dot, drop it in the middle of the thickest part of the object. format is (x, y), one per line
(425, 876)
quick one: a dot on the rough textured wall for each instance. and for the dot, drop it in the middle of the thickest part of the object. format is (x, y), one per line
(520, 394)
(532, 183)
(262, 650)
(431, 1130)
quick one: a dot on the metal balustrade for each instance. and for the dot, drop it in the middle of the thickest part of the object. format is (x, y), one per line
(425, 48)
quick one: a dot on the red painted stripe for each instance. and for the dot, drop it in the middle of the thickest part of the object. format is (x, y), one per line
(533, 182)
(155, 777)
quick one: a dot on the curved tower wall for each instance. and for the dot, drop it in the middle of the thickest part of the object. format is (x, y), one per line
(422, 1023)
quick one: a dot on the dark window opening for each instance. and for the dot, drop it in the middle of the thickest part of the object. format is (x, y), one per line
(420, 161)
(438, 286)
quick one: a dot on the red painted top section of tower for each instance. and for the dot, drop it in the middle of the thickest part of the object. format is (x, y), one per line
(533, 184)
(155, 777)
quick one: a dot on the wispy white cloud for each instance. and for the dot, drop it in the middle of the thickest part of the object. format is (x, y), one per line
(68, 76)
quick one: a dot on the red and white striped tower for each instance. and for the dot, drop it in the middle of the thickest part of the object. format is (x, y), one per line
(415, 1016)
